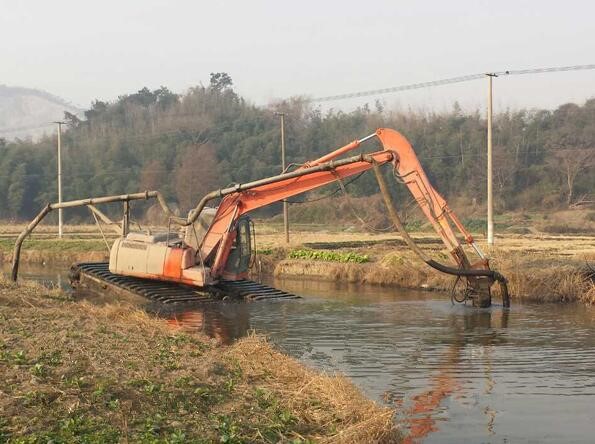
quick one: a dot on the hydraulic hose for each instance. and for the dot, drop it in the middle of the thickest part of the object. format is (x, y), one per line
(396, 220)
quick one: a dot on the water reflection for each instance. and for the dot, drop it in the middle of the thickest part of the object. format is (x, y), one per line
(452, 361)
(420, 415)
(223, 321)
(48, 276)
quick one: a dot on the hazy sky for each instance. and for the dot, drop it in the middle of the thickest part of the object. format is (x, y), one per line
(82, 50)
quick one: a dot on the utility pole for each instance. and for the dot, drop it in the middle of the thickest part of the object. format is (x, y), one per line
(60, 177)
(285, 207)
(490, 178)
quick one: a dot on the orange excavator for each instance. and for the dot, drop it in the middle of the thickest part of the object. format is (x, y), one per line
(213, 249)
(216, 245)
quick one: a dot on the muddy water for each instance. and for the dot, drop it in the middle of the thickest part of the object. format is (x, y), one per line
(456, 374)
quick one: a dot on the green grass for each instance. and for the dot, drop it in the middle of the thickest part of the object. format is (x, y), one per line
(328, 256)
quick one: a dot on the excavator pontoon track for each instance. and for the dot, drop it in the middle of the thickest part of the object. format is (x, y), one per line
(96, 276)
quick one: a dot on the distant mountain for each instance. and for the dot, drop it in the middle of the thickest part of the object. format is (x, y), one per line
(27, 112)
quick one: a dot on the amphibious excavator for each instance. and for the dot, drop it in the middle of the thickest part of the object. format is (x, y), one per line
(212, 248)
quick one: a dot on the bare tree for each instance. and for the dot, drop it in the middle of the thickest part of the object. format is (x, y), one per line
(152, 176)
(506, 167)
(571, 162)
(195, 175)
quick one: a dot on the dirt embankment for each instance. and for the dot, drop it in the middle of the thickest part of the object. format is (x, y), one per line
(54, 251)
(77, 372)
(544, 269)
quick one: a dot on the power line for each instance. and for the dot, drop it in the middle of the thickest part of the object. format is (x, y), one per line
(375, 92)
(544, 70)
(372, 92)
(448, 81)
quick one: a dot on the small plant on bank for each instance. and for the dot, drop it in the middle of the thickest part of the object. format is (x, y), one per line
(328, 256)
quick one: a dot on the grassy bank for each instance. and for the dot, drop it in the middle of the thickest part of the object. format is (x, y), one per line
(530, 281)
(74, 372)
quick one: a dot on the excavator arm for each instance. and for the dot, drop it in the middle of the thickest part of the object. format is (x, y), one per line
(219, 237)
(243, 198)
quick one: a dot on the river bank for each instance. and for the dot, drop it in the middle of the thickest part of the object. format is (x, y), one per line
(539, 268)
(542, 268)
(529, 280)
(112, 373)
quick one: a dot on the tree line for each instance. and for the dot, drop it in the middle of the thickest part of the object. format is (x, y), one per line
(188, 144)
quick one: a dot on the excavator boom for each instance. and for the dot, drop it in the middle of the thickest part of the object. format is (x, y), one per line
(243, 198)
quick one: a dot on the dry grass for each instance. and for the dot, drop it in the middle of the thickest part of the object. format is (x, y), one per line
(556, 284)
(589, 296)
(526, 280)
(539, 268)
(78, 372)
(361, 419)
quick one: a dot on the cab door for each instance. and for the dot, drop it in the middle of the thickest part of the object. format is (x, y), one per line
(240, 256)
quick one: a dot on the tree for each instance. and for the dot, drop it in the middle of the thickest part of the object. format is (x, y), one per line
(195, 175)
(152, 176)
(209, 136)
(71, 119)
(165, 97)
(97, 108)
(220, 81)
(17, 191)
(569, 163)
(143, 97)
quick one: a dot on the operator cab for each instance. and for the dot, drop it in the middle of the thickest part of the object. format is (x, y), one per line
(242, 251)
(170, 257)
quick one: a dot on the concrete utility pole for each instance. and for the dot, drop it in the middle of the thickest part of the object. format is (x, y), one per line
(490, 178)
(60, 177)
(285, 207)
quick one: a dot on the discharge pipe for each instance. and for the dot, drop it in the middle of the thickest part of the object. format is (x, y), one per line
(327, 166)
(16, 255)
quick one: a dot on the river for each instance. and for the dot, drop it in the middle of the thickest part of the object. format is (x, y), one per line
(455, 374)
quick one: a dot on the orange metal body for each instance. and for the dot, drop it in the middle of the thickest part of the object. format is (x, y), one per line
(173, 263)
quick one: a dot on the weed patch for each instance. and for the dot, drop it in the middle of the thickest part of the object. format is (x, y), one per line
(329, 256)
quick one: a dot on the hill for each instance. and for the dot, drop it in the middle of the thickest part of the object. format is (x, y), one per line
(26, 112)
